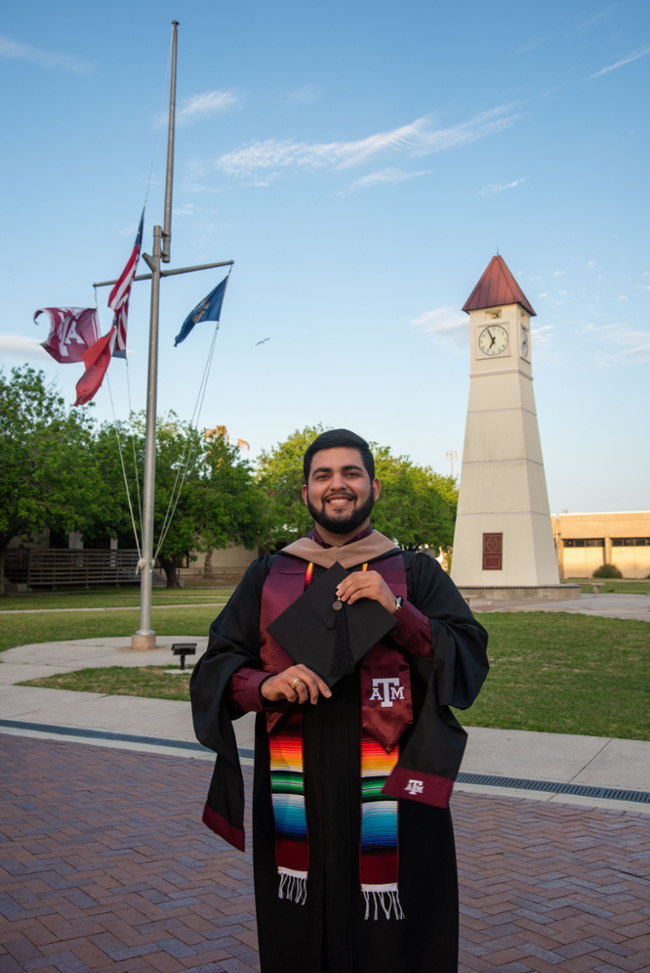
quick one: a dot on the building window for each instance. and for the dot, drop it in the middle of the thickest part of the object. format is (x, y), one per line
(630, 541)
(492, 552)
(585, 542)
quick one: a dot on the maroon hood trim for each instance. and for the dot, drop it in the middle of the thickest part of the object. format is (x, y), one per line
(416, 786)
(217, 823)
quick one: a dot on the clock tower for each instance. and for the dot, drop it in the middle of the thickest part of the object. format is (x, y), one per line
(503, 533)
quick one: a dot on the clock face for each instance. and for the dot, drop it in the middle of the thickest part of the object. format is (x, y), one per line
(493, 340)
(524, 343)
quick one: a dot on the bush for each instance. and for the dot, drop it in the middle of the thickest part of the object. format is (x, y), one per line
(607, 571)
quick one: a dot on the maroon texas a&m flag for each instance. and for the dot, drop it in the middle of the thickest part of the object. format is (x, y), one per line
(73, 330)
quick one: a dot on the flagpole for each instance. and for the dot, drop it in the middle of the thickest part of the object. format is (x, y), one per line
(167, 228)
(145, 637)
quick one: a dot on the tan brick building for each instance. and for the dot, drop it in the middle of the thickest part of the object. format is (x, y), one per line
(585, 541)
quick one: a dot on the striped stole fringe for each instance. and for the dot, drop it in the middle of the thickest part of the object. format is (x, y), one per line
(379, 862)
(288, 796)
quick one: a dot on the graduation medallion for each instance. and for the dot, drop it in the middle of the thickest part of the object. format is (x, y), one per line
(338, 605)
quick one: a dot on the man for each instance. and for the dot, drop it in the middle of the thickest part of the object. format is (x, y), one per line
(353, 847)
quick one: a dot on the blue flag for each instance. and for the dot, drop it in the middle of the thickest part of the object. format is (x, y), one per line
(209, 309)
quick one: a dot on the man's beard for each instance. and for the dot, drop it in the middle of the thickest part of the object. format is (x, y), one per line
(337, 525)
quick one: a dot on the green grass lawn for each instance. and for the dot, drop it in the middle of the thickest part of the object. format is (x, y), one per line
(53, 627)
(562, 673)
(151, 681)
(618, 586)
(111, 598)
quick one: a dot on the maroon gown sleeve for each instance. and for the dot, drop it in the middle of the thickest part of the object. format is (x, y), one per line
(245, 690)
(413, 631)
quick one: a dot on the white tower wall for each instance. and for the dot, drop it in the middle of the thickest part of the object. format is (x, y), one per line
(502, 484)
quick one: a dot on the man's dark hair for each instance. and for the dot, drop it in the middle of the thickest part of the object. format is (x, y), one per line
(335, 438)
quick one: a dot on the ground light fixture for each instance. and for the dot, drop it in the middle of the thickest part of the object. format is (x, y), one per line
(183, 649)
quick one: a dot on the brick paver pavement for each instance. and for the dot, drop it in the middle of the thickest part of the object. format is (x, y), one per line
(106, 867)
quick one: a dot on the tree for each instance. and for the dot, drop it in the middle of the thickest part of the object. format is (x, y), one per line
(417, 507)
(205, 497)
(280, 479)
(47, 473)
(56, 471)
(230, 503)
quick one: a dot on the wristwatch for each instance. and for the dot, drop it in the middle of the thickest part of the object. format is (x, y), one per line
(399, 604)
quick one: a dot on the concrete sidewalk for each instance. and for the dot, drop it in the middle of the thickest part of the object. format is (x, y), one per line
(564, 758)
(604, 606)
(50, 658)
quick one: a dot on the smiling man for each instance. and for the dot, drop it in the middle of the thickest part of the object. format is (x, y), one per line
(355, 754)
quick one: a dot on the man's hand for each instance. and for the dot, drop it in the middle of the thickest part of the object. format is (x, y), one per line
(367, 584)
(279, 687)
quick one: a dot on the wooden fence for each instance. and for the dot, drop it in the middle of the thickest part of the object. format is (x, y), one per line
(78, 567)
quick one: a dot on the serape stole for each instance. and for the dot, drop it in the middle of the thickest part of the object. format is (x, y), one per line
(378, 863)
(288, 796)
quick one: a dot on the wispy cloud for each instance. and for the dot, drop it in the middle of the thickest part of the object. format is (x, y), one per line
(382, 177)
(15, 51)
(533, 45)
(498, 187)
(197, 187)
(210, 102)
(273, 156)
(558, 273)
(634, 343)
(634, 56)
(446, 323)
(306, 95)
(20, 346)
(599, 17)
(541, 335)
(189, 209)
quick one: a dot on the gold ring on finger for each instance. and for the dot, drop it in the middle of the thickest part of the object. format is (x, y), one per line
(295, 682)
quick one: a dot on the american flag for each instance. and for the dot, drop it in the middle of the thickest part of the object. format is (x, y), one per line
(119, 296)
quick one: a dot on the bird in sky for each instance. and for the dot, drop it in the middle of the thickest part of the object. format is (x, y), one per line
(261, 342)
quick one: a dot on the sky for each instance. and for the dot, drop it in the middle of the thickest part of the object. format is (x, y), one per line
(361, 163)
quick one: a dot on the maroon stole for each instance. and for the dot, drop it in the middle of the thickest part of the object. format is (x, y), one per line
(385, 676)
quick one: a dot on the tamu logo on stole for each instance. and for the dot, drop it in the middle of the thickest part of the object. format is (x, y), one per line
(415, 787)
(387, 690)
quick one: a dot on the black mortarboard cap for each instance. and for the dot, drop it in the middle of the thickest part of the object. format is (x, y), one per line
(330, 640)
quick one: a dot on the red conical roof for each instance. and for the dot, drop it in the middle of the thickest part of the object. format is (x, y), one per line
(497, 286)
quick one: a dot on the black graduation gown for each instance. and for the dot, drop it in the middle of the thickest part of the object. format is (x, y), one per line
(329, 933)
